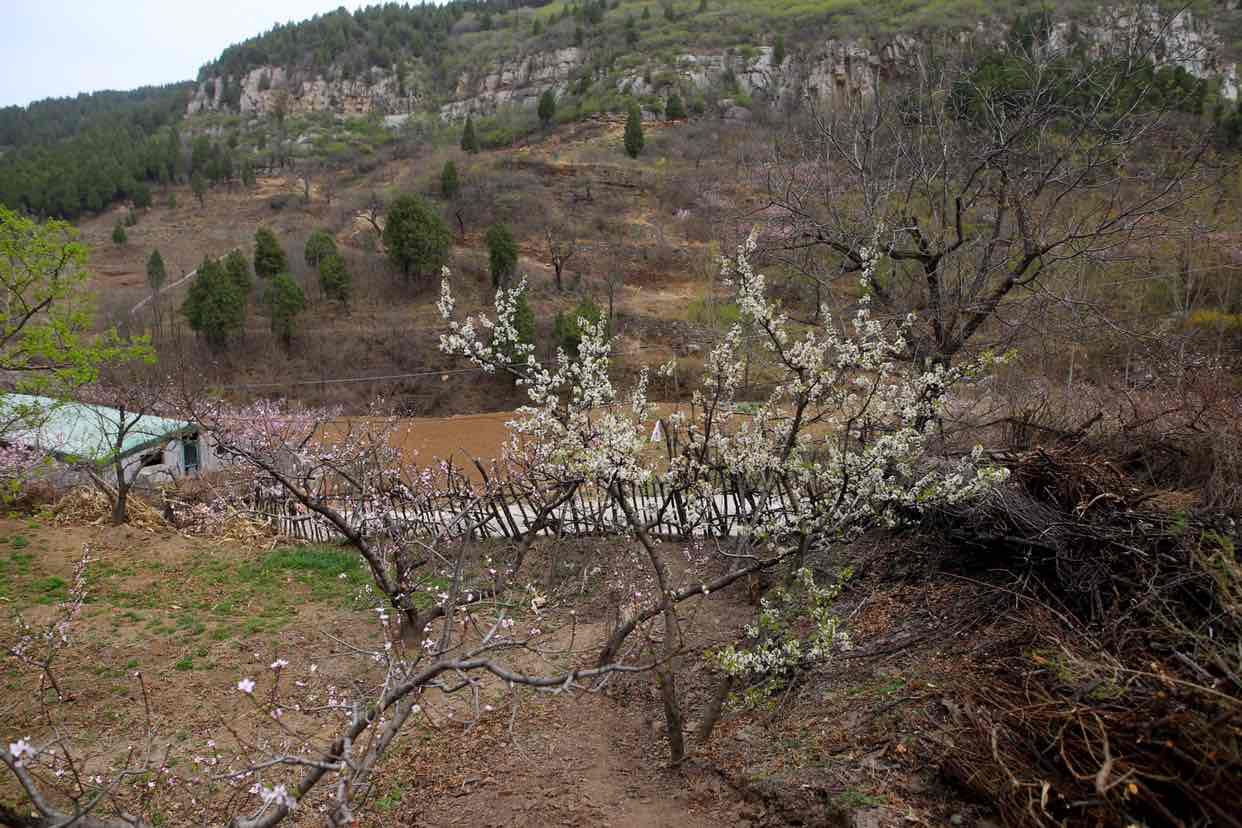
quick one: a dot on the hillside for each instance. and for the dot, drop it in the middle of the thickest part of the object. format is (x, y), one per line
(392, 72)
(855, 389)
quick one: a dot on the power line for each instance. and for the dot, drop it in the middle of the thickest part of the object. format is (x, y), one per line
(346, 380)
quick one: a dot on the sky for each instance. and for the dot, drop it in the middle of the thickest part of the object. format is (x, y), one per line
(54, 48)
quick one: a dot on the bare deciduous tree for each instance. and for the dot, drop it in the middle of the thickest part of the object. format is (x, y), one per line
(562, 246)
(986, 176)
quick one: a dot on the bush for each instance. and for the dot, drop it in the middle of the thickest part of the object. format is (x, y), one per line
(714, 314)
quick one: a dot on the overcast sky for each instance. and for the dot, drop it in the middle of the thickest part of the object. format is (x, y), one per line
(54, 48)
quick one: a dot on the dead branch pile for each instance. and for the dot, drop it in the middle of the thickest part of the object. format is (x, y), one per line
(1118, 699)
(216, 519)
(89, 506)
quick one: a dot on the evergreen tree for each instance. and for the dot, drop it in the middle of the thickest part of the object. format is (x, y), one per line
(646, 12)
(674, 110)
(269, 256)
(247, 173)
(199, 185)
(631, 32)
(156, 274)
(502, 253)
(417, 239)
(214, 306)
(142, 196)
(334, 279)
(568, 331)
(238, 269)
(449, 184)
(547, 107)
(283, 301)
(118, 234)
(469, 142)
(319, 246)
(778, 51)
(634, 132)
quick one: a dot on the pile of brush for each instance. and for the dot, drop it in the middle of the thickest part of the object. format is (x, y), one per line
(1118, 700)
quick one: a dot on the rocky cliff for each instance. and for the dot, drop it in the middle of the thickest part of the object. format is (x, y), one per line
(831, 69)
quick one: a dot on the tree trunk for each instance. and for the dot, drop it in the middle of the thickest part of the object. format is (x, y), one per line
(120, 503)
(666, 674)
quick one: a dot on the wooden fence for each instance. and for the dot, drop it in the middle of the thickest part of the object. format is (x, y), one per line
(505, 512)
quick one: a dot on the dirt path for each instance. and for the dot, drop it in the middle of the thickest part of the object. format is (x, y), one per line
(587, 761)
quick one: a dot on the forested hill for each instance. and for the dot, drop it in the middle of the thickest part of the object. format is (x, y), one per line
(404, 70)
(63, 156)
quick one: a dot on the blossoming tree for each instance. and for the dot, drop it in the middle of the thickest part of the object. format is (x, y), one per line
(839, 445)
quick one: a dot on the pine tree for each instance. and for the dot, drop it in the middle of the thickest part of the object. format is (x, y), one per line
(118, 234)
(214, 306)
(156, 274)
(334, 279)
(449, 184)
(634, 132)
(778, 51)
(502, 253)
(674, 109)
(469, 142)
(547, 107)
(284, 300)
(319, 246)
(199, 185)
(269, 256)
(417, 239)
(238, 270)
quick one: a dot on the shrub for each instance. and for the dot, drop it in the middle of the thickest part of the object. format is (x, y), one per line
(714, 314)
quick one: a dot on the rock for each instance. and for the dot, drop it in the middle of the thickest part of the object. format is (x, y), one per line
(737, 113)
(835, 68)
